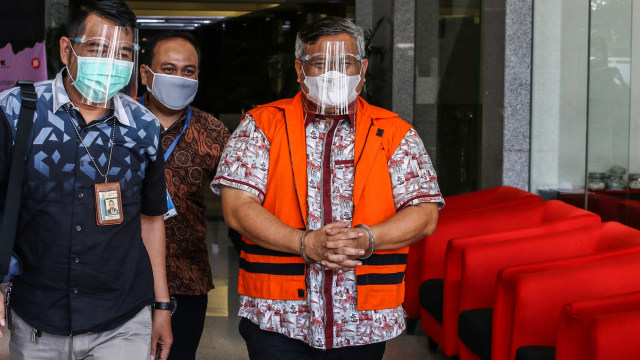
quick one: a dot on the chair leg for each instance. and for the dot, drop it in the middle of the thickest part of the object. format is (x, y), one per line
(411, 326)
(433, 346)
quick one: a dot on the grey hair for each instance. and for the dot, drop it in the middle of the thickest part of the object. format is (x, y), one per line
(329, 25)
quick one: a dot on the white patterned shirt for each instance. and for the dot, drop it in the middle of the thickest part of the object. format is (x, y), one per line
(328, 317)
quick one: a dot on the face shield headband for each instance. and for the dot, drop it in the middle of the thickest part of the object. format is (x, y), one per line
(331, 78)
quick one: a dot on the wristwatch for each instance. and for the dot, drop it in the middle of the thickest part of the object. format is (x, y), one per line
(171, 305)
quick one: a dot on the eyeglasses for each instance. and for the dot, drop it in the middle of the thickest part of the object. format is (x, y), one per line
(103, 48)
(319, 63)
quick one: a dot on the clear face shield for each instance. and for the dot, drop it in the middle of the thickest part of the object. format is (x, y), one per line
(107, 63)
(331, 78)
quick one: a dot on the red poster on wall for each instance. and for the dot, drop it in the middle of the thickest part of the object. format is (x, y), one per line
(27, 64)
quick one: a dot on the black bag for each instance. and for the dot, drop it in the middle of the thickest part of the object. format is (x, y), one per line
(9, 262)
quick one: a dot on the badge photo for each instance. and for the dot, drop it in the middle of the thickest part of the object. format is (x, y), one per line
(108, 204)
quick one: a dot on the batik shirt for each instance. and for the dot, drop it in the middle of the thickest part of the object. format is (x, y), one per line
(188, 170)
(328, 317)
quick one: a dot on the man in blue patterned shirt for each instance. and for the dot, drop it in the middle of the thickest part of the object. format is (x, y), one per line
(88, 287)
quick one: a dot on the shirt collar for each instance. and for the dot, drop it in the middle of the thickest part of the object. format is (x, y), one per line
(310, 112)
(61, 98)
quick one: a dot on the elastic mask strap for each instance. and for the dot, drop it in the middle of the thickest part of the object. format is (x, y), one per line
(154, 79)
(69, 73)
(72, 50)
(150, 89)
(78, 62)
(305, 77)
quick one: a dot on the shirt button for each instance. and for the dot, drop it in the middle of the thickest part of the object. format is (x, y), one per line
(81, 162)
(81, 195)
(78, 228)
(75, 290)
(76, 259)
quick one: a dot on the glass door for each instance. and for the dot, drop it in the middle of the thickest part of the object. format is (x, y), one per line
(612, 161)
(447, 93)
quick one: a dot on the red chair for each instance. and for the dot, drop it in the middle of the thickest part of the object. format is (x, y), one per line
(457, 205)
(576, 335)
(615, 336)
(472, 263)
(529, 298)
(604, 205)
(497, 224)
(487, 199)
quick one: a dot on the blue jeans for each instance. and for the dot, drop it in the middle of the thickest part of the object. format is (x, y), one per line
(267, 345)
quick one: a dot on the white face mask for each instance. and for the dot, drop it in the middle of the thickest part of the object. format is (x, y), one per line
(174, 92)
(332, 89)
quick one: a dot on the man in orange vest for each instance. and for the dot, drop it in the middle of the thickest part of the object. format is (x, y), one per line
(328, 193)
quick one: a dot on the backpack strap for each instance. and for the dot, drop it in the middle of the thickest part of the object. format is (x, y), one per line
(16, 174)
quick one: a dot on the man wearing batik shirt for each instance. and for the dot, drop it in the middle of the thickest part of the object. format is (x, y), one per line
(328, 193)
(192, 141)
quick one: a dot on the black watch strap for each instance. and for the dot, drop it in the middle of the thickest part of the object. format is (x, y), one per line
(171, 306)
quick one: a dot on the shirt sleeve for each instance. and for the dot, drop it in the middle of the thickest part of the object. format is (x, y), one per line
(412, 174)
(154, 186)
(244, 163)
(218, 135)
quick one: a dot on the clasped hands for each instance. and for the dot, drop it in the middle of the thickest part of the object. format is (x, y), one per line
(337, 246)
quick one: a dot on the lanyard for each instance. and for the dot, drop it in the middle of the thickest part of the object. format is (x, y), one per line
(113, 134)
(175, 142)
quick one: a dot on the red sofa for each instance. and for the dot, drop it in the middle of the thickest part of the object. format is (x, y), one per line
(487, 199)
(602, 204)
(583, 331)
(458, 205)
(530, 298)
(495, 225)
(615, 336)
(472, 263)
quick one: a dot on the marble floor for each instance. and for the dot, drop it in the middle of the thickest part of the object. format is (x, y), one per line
(221, 339)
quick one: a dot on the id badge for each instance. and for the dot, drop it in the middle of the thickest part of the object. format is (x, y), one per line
(108, 204)
(172, 209)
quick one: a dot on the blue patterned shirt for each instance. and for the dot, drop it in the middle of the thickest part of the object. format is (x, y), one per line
(80, 277)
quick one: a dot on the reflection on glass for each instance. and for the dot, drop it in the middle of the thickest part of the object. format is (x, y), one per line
(448, 89)
(585, 130)
(609, 90)
(609, 107)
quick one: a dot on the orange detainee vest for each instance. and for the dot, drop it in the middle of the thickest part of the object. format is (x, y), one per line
(269, 274)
